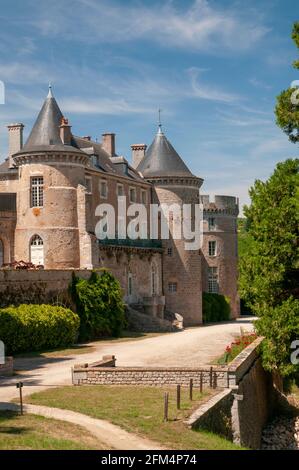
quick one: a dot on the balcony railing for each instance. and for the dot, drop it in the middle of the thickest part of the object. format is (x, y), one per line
(128, 242)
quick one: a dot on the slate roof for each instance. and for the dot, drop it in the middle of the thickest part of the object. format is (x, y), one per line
(45, 134)
(161, 159)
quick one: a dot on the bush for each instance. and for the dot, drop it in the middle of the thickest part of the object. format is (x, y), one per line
(37, 327)
(280, 326)
(99, 305)
(215, 308)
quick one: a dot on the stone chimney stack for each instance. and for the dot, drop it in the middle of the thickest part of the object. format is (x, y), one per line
(65, 132)
(138, 152)
(15, 140)
(108, 143)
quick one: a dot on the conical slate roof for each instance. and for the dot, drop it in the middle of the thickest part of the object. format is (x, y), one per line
(45, 134)
(161, 159)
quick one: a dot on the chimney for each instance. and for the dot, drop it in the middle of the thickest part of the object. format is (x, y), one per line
(15, 140)
(87, 137)
(108, 143)
(65, 131)
(138, 152)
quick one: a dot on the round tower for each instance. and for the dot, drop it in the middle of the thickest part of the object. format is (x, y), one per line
(220, 248)
(50, 170)
(175, 184)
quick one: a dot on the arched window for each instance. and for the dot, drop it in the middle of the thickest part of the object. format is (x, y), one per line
(1, 253)
(37, 250)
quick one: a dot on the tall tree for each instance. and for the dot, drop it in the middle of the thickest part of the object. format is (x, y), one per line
(287, 106)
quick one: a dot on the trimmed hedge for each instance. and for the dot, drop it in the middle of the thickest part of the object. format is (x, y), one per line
(37, 327)
(215, 308)
(99, 304)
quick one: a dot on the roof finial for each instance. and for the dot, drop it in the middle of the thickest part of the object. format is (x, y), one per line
(50, 94)
(160, 124)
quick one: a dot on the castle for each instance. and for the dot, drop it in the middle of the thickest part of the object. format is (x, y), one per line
(50, 189)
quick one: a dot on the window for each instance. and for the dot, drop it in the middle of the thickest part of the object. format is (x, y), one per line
(1, 253)
(88, 184)
(213, 280)
(143, 197)
(37, 191)
(133, 195)
(37, 250)
(212, 248)
(103, 189)
(94, 160)
(172, 287)
(212, 224)
(120, 190)
(169, 251)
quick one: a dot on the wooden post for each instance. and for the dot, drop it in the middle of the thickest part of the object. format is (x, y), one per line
(215, 380)
(20, 386)
(211, 377)
(191, 390)
(178, 397)
(166, 395)
(201, 383)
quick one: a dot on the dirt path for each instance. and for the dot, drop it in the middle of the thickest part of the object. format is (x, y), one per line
(113, 436)
(190, 347)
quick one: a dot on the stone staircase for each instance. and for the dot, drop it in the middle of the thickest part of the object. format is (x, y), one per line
(139, 321)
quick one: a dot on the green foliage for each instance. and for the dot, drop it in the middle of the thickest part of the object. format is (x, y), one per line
(215, 307)
(244, 239)
(280, 326)
(236, 347)
(99, 304)
(37, 327)
(269, 270)
(287, 112)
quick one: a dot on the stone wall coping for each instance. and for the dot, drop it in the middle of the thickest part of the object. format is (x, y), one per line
(205, 407)
(242, 363)
(151, 369)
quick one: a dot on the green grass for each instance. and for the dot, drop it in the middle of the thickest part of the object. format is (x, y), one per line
(30, 432)
(138, 410)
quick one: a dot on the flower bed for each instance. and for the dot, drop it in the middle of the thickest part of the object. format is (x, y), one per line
(233, 349)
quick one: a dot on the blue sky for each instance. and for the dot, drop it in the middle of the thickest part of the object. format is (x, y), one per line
(214, 67)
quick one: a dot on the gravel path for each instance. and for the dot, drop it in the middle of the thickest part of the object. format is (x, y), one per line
(191, 347)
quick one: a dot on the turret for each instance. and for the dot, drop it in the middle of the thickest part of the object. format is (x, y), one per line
(175, 184)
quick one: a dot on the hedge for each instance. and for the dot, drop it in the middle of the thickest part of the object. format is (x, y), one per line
(215, 308)
(37, 327)
(99, 305)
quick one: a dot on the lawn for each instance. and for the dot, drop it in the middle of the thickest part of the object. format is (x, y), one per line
(138, 410)
(30, 432)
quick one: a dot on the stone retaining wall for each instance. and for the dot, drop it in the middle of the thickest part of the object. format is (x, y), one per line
(7, 368)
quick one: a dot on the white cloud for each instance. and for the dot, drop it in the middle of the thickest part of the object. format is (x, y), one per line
(208, 92)
(200, 27)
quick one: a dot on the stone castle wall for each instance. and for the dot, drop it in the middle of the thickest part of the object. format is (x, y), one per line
(224, 210)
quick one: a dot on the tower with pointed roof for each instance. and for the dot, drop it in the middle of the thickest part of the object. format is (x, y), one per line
(53, 168)
(174, 183)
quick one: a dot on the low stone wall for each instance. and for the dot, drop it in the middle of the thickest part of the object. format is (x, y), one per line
(42, 286)
(215, 414)
(7, 368)
(101, 374)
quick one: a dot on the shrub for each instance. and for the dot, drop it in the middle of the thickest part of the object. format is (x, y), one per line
(37, 327)
(280, 326)
(99, 305)
(215, 308)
